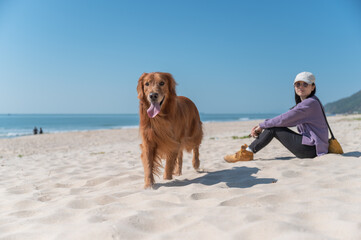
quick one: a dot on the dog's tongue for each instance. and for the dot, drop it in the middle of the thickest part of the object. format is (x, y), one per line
(153, 110)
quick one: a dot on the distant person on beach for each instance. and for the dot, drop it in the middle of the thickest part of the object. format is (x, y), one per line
(35, 131)
(307, 115)
(40, 131)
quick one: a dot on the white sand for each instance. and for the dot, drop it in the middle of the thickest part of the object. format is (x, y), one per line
(89, 185)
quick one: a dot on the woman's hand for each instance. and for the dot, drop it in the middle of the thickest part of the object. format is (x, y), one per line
(256, 131)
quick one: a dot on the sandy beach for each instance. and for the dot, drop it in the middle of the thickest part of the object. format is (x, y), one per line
(89, 185)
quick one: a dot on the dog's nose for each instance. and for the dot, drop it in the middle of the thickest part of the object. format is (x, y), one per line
(153, 96)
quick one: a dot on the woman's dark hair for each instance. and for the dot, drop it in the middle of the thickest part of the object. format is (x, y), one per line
(298, 98)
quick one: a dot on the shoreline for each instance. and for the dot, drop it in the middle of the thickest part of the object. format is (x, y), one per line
(333, 117)
(70, 131)
(23, 124)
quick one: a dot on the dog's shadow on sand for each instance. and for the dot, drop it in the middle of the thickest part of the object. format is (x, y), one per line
(237, 177)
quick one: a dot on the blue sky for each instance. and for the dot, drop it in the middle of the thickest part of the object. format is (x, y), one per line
(77, 56)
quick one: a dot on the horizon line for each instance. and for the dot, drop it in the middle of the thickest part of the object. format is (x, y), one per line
(115, 113)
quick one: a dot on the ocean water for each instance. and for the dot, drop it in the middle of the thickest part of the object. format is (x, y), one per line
(15, 125)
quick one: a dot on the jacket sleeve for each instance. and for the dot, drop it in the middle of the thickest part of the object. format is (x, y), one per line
(302, 113)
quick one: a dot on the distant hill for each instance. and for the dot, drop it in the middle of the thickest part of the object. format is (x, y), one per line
(350, 104)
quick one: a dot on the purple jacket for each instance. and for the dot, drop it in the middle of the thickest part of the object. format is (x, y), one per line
(310, 122)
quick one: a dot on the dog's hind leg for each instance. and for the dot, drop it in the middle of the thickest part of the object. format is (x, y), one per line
(195, 160)
(169, 165)
(179, 163)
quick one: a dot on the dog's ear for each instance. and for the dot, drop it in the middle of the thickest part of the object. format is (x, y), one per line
(171, 84)
(140, 88)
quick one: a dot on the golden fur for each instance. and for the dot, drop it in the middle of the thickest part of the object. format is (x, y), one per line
(177, 127)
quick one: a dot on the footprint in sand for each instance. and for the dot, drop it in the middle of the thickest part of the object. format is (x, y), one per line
(44, 198)
(200, 196)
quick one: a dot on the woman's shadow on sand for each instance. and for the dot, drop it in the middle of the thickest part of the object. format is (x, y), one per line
(237, 177)
(352, 154)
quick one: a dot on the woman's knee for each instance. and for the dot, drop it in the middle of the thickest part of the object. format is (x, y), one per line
(275, 129)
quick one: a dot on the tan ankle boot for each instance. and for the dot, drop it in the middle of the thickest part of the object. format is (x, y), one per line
(241, 155)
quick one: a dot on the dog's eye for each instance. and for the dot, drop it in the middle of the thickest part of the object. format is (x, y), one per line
(161, 84)
(147, 84)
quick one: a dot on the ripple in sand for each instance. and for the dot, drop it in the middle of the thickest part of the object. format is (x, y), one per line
(97, 219)
(24, 214)
(238, 201)
(25, 204)
(291, 174)
(161, 204)
(104, 200)
(96, 181)
(76, 191)
(61, 185)
(21, 189)
(80, 204)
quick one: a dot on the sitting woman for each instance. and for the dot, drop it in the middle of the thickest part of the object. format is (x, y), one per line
(307, 115)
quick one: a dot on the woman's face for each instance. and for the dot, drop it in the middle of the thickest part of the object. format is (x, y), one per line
(303, 89)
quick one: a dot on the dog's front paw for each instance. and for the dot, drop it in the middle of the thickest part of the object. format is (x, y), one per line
(148, 183)
(148, 186)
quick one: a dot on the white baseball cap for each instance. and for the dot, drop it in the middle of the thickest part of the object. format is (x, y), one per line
(306, 77)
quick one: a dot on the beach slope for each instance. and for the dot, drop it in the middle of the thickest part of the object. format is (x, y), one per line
(89, 185)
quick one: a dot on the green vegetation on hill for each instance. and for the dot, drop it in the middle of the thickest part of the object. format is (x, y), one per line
(350, 104)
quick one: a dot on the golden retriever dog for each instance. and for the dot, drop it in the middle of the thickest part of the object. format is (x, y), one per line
(168, 125)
